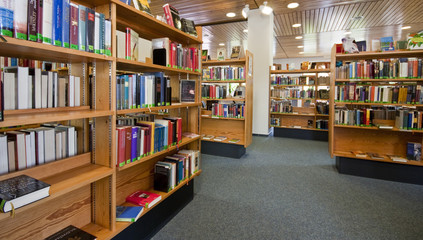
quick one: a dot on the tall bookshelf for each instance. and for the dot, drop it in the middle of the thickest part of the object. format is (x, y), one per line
(231, 128)
(302, 120)
(380, 136)
(85, 189)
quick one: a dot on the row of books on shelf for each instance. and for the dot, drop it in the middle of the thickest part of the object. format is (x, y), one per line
(30, 88)
(385, 118)
(380, 69)
(301, 80)
(161, 50)
(219, 138)
(322, 124)
(285, 106)
(223, 73)
(21, 62)
(322, 107)
(143, 138)
(57, 22)
(174, 169)
(413, 153)
(230, 110)
(408, 94)
(292, 93)
(213, 91)
(35, 146)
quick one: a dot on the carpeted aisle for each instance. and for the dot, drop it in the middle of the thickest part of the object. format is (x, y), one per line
(289, 189)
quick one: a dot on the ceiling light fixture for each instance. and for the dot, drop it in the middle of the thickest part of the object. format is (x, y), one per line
(296, 25)
(357, 18)
(299, 37)
(301, 52)
(293, 5)
(231, 14)
(266, 10)
(245, 10)
(346, 33)
(245, 30)
(300, 47)
(406, 27)
(221, 44)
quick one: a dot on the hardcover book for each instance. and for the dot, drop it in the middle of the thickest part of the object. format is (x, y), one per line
(82, 39)
(144, 198)
(187, 91)
(20, 19)
(108, 38)
(32, 20)
(128, 214)
(40, 4)
(66, 24)
(57, 22)
(89, 31)
(6, 18)
(221, 54)
(97, 35)
(71, 233)
(188, 26)
(387, 44)
(144, 6)
(20, 191)
(414, 151)
(74, 30)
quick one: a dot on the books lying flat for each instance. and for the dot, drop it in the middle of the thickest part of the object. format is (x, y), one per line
(128, 214)
(397, 158)
(190, 135)
(20, 191)
(234, 140)
(375, 155)
(359, 154)
(220, 138)
(143, 198)
(71, 232)
(208, 137)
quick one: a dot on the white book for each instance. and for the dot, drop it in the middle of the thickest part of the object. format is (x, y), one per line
(39, 145)
(71, 91)
(30, 81)
(37, 88)
(4, 164)
(58, 139)
(130, 91)
(47, 21)
(21, 85)
(70, 141)
(49, 144)
(55, 89)
(9, 85)
(50, 90)
(44, 89)
(108, 37)
(20, 155)
(11, 155)
(120, 44)
(97, 33)
(65, 144)
(145, 49)
(141, 142)
(77, 91)
(20, 19)
(30, 148)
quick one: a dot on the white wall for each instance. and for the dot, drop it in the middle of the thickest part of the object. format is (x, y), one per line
(260, 43)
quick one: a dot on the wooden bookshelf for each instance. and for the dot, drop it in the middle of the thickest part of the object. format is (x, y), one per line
(225, 141)
(224, 99)
(238, 128)
(344, 139)
(85, 189)
(301, 115)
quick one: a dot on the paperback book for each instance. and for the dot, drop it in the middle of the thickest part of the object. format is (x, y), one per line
(144, 198)
(71, 232)
(128, 214)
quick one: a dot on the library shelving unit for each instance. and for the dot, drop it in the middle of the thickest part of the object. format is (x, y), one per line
(85, 189)
(347, 143)
(302, 121)
(231, 128)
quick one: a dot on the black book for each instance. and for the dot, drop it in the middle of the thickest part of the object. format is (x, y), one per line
(20, 191)
(90, 18)
(158, 91)
(32, 20)
(187, 91)
(161, 177)
(168, 96)
(188, 26)
(1, 98)
(71, 232)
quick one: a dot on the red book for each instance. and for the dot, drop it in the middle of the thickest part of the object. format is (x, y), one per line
(168, 14)
(74, 30)
(121, 150)
(39, 20)
(170, 133)
(128, 44)
(144, 198)
(128, 143)
(178, 125)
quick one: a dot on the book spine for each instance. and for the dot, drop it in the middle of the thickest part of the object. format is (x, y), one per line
(102, 33)
(57, 22)
(66, 24)
(6, 18)
(32, 20)
(121, 147)
(89, 31)
(40, 4)
(134, 143)
(97, 33)
(82, 25)
(108, 38)
(74, 22)
(128, 144)
(168, 15)
(128, 44)
(1, 96)
(20, 19)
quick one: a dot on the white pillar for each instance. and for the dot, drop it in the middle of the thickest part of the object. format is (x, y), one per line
(260, 43)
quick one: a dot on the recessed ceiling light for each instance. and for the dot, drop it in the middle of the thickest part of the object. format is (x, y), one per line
(346, 33)
(231, 14)
(301, 52)
(299, 37)
(356, 18)
(206, 35)
(245, 30)
(406, 27)
(297, 25)
(300, 47)
(293, 5)
(221, 44)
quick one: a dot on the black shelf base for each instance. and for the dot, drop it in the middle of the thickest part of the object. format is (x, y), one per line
(222, 149)
(300, 134)
(380, 170)
(148, 225)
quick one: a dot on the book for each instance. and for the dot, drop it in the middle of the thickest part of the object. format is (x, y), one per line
(97, 36)
(144, 198)
(188, 26)
(190, 135)
(20, 19)
(387, 44)
(172, 16)
(375, 155)
(120, 44)
(57, 32)
(144, 6)
(187, 90)
(204, 54)
(89, 29)
(47, 21)
(221, 54)
(82, 39)
(6, 18)
(40, 4)
(414, 151)
(107, 38)
(359, 154)
(102, 32)
(220, 138)
(208, 137)
(71, 232)
(234, 140)
(4, 162)
(20, 191)
(397, 158)
(128, 214)
(163, 176)
(32, 20)
(236, 51)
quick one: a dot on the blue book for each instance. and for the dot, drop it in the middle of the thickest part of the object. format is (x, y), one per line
(126, 92)
(81, 27)
(102, 33)
(6, 21)
(134, 143)
(118, 93)
(387, 44)
(57, 29)
(66, 24)
(128, 214)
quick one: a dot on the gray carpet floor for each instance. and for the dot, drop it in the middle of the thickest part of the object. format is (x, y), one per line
(289, 189)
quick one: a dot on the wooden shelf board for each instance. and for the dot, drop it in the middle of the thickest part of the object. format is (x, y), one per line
(225, 62)
(43, 117)
(377, 128)
(377, 104)
(275, 98)
(185, 141)
(300, 71)
(65, 182)
(223, 81)
(294, 114)
(134, 66)
(276, 85)
(322, 99)
(128, 16)
(310, 129)
(38, 51)
(241, 142)
(224, 99)
(322, 115)
(381, 80)
(44, 110)
(374, 55)
(173, 106)
(222, 118)
(386, 159)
